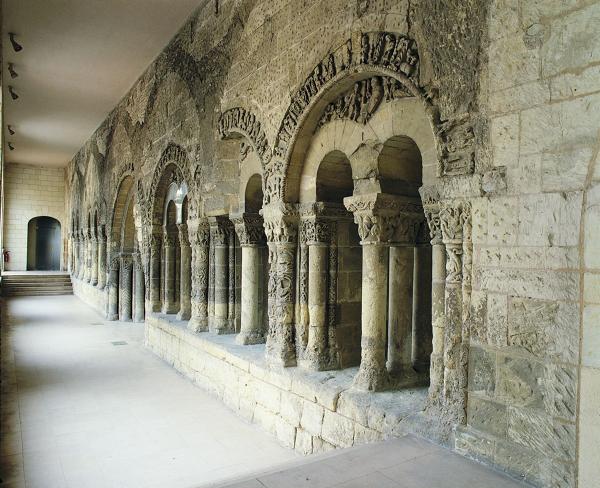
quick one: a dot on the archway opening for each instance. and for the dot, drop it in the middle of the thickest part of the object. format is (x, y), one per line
(334, 178)
(254, 194)
(43, 244)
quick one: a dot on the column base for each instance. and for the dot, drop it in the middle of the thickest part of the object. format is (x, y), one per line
(319, 360)
(280, 355)
(94, 282)
(170, 308)
(249, 338)
(112, 316)
(197, 324)
(372, 379)
(184, 316)
(222, 326)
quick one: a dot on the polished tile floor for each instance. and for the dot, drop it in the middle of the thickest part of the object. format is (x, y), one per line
(78, 411)
(84, 404)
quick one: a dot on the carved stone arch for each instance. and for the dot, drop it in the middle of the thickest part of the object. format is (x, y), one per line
(237, 122)
(121, 197)
(172, 167)
(390, 56)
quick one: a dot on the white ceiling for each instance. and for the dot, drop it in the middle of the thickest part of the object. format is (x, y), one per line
(79, 58)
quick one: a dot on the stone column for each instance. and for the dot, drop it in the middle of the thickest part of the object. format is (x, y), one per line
(87, 276)
(318, 229)
(154, 298)
(377, 216)
(94, 257)
(438, 285)
(169, 302)
(113, 288)
(185, 278)
(80, 255)
(75, 239)
(400, 307)
(251, 234)
(453, 218)
(231, 281)
(220, 228)
(125, 288)
(200, 240)
(101, 257)
(281, 224)
(421, 318)
(138, 274)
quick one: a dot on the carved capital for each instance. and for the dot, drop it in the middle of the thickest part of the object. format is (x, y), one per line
(199, 233)
(168, 239)
(220, 228)
(183, 235)
(281, 223)
(384, 218)
(249, 229)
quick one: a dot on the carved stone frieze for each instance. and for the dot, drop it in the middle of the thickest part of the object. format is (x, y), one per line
(456, 146)
(379, 49)
(361, 102)
(241, 121)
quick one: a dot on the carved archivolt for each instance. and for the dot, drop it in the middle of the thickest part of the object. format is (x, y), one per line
(240, 121)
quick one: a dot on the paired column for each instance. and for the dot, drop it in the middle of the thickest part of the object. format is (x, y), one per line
(81, 255)
(184, 275)
(281, 227)
(251, 235)
(93, 257)
(125, 289)
(74, 252)
(101, 257)
(455, 223)
(221, 230)
(382, 219)
(318, 242)
(405, 227)
(113, 288)
(199, 233)
(170, 254)
(138, 289)
(154, 297)
(88, 256)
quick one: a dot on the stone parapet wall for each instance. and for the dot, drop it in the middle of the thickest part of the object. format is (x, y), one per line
(89, 294)
(308, 411)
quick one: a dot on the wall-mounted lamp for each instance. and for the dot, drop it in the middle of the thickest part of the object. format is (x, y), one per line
(16, 46)
(10, 146)
(11, 70)
(11, 131)
(11, 90)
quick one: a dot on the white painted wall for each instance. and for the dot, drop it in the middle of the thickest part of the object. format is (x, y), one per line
(31, 191)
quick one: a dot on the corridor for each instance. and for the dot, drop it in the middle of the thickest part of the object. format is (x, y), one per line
(84, 404)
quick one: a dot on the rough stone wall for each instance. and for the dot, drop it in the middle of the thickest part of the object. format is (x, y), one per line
(512, 90)
(31, 191)
(540, 95)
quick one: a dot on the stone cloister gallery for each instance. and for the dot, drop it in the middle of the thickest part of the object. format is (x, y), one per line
(311, 219)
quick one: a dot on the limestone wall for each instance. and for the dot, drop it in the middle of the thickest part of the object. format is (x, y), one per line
(31, 191)
(501, 100)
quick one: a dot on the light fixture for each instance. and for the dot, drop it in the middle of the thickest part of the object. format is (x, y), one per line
(11, 70)
(16, 46)
(11, 130)
(12, 92)
(10, 146)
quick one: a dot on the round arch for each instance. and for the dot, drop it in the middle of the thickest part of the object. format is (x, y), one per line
(43, 244)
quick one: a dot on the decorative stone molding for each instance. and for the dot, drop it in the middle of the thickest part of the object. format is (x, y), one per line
(384, 218)
(240, 121)
(249, 229)
(361, 102)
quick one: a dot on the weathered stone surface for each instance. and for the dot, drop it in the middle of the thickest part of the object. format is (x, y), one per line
(337, 430)
(312, 418)
(482, 371)
(544, 328)
(537, 431)
(487, 416)
(519, 382)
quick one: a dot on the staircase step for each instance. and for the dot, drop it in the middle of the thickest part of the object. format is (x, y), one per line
(36, 285)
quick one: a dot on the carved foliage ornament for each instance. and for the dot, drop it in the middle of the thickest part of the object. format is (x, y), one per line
(249, 229)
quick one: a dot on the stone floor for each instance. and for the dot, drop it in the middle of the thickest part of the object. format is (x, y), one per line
(84, 404)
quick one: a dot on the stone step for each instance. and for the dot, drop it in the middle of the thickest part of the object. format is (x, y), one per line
(36, 284)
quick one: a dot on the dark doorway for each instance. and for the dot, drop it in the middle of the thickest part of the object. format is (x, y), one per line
(43, 244)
